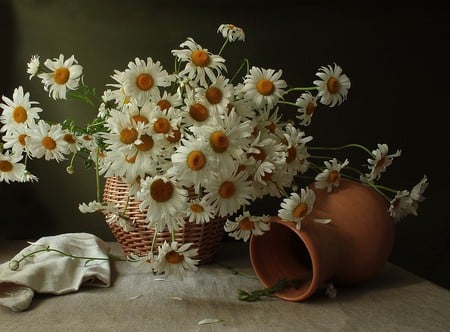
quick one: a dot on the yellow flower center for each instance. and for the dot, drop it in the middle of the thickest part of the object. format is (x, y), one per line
(161, 191)
(20, 114)
(227, 189)
(219, 141)
(174, 136)
(271, 127)
(162, 126)
(48, 143)
(246, 224)
(164, 104)
(265, 87)
(21, 139)
(291, 154)
(198, 112)
(132, 159)
(173, 257)
(196, 160)
(214, 95)
(61, 75)
(128, 135)
(333, 85)
(333, 176)
(144, 82)
(310, 108)
(200, 58)
(139, 118)
(259, 156)
(197, 208)
(69, 138)
(147, 143)
(5, 166)
(300, 210)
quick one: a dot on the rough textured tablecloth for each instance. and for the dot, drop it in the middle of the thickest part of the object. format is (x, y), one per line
(393, 301)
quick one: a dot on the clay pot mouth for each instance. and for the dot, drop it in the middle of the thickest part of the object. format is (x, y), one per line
(284, 253)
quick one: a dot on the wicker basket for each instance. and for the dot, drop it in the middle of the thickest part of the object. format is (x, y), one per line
(205, 237)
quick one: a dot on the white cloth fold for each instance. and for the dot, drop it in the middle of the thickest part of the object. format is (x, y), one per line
(51, 272)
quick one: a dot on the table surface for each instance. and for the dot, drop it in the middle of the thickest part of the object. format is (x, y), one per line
(395, 300)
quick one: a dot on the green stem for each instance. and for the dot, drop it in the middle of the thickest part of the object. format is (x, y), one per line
(282, 284)
(15, 264)
(223, 46)
(301, 88)
(244, 62)
(342, 147)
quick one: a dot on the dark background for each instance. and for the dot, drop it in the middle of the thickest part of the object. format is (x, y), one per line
(395, 56)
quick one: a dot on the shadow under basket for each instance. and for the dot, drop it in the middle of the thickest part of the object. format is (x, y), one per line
(205, 237)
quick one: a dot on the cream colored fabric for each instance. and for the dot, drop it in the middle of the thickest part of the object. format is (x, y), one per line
(50, 272)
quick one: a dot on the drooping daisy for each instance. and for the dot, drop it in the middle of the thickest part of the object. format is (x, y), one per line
(33, 66)
(11, 169)
(48, 141)
(381, 161)
(175, 262)
(418, 190)
(246, 225)
(401, 205)
(64, 75)
(231, 32)
(331, 176)
(297, 207)
(165, 201)
(296, 151)
(307, 105)
(264, 87)
(200, 63)
(333, 85)
(228, 191)
(19, 111)
(142, 80)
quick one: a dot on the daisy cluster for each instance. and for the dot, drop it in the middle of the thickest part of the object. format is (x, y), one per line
(193, 143)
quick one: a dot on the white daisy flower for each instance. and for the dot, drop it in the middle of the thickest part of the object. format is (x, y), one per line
(246, 225)
(217, 95)
(142, 80)
(192, 164)
(333, 85)
(381, 161)
(19, 111)
(11, 169)
(200, 63)
(228, 191)
(296, 151)
(264, 87)
(48, 141)
(307, 105)
(401, 205)
(199, 211)
(331, 176)
(16, 140)
(231, 32)
(175, 262)
(65, 75)
(297, 207)
(165, 201)
(33, 66)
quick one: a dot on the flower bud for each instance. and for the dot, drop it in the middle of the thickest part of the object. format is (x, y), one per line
(14, 265)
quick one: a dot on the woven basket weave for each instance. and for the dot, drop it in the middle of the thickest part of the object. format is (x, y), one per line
(205, 237)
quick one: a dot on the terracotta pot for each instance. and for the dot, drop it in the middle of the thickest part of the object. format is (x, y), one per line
(351, 249)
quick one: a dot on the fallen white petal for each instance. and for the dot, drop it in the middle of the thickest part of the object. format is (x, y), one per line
(209, 321)
(134, 298)
(161, 279)
(176, 298)
(322, 221)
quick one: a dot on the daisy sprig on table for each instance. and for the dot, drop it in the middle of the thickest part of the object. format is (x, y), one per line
(195, 142)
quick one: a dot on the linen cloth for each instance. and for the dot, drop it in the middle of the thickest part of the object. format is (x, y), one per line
(51, 272)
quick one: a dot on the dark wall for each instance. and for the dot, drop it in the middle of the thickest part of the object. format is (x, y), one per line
(396, 57)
